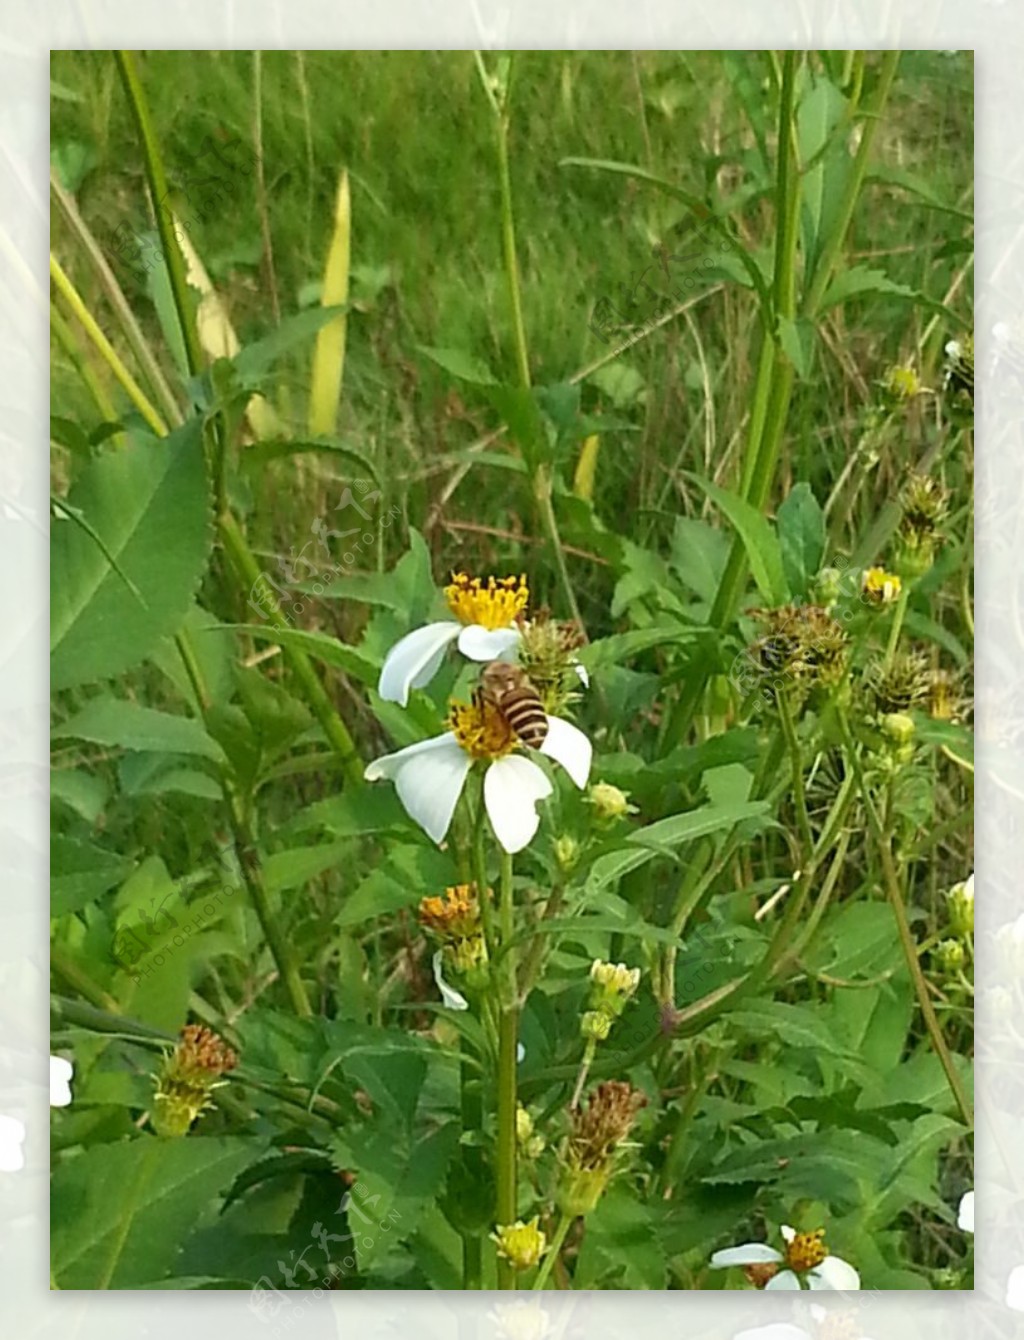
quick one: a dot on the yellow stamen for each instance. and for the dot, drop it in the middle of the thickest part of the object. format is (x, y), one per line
(881, 587)
(494, 605)
(482, 730)
(807, 1250)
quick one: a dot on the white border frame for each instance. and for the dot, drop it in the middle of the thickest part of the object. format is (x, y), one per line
(995, 30)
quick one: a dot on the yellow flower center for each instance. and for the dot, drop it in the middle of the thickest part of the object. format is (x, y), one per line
(807, 1250)
(494, 605)
(482, 730)
(880, 586)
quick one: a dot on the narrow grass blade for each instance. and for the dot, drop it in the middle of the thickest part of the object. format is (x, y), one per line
(329, 355)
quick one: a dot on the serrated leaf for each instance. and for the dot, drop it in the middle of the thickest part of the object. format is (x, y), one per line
(136, 499)
(759, 540)
(800, 525)
(259, 454)
(120, 1211)
(123, 725)
(81, 872)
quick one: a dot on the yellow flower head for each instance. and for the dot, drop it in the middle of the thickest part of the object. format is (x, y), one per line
(456, 916)
(902, 383)
(482, 730)
(522, 1245)
(804, 1251)
(494, 605)
(614, 979)
(880, 587)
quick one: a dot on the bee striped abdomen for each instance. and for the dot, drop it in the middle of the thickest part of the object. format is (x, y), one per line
(524, 712)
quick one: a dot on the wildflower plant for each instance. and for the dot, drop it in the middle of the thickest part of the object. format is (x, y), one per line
(554, 871)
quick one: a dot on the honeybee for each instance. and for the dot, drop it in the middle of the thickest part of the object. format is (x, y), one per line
(508, 688)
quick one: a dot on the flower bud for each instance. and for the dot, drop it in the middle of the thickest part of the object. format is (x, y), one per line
(596, 1024)
(567, 852)
(949, 956)
(521, 1244)
(609, 802)
(827, 587)
(187, 1078)
(961, 907)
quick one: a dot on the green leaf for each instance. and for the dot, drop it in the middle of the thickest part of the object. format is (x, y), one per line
(318, 645)
(81, 791)
(400, 881)
(256, 359)
(798, 339)
(759, 541)
(80, 873)
(460, 364)
(122, 1210)
(859, 280)
(135, 499)
(699, 555)
(820, 114)
(666, 834)
(800, 525)
(124, 725)
(259, 454)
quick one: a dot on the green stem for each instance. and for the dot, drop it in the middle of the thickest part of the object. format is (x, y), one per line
(907, 944)
(472, 1123)
(247, 852)
(103, 346)
(897, 626)
(508, 243)
(249, 574)
(157, 179)
(508, 1037)
(79, 980)
(796, 760)
(552, 1253)
(589, 1052)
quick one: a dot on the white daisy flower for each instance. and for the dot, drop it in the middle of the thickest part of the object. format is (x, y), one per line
(429, 776)
(485, 628)
(60, 1081)
(965, 1214)
(12, 1137)
(806, 1256)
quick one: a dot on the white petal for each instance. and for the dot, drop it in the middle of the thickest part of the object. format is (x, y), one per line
(512, 787)
(453, 1000)
(567, 744)
(414, 660)
(748, 1254)
(12, 1137)
(788, 1233)
(969, 887)
(520, 1051)
(785, 1279)
(1015, 1289)
(965, 1214)
(478, 643)
(428, 777)
(833, 1273)
(60, 1081)
(583, 673)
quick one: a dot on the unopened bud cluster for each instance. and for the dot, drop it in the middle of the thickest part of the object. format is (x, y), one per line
(521, 1244)
(925, 501)
(609, 802)
(187, 1078)
(960, 903)
(612, 985)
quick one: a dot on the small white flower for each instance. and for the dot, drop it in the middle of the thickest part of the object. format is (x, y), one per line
(1015, 1289)
(965, 1214)
(60, 1081)
(12, 1137)
(484, 628)
(429, 776)
(453, 1000)
(830, 1272)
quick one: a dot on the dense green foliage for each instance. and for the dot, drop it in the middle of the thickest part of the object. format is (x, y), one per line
(691, 374)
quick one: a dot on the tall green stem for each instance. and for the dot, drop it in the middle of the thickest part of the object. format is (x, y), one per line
(552, 1253)
(248, 571)
(908, 945)
(157, 179)
(508, 1038)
